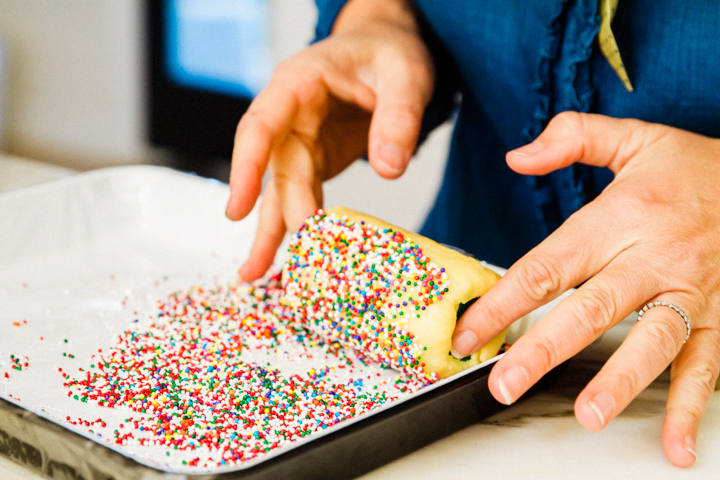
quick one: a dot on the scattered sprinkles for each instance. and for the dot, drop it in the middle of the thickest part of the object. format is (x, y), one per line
(19, 363)
(194, 377)
(361, 285)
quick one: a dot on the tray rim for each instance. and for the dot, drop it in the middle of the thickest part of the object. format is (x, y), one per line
(81, 177)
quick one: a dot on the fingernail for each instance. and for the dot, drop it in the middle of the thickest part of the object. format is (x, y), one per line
(394, 157)
(512, 383)
(464, 344)
(690, 446)
(603, 404)
(529, 149)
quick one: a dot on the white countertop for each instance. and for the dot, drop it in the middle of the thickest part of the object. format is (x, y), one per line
(536, 439)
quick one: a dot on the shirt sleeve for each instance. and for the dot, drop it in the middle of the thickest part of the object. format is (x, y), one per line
(445, 97)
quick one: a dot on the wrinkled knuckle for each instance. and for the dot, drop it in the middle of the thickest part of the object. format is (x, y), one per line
(571, 121)
(683, 252)
(629, 380)
(259, 123)
(284, 176)
(692, 412)
(539, 279)
(249, 118)
(283, 182)
(696, 413)
(303, 77)
(596, 310)
(547, 354)
(663, 338)
(631, 208)
(702, 380)
(493, 314)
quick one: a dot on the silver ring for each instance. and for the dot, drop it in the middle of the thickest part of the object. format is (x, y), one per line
(674, 307)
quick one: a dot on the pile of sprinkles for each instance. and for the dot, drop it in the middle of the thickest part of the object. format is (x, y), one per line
(361, 285)
(194, 377)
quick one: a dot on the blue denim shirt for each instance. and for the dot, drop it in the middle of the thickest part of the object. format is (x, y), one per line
(517, 63)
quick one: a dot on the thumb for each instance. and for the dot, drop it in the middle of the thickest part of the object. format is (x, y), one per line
(403, 92)
(591, 139)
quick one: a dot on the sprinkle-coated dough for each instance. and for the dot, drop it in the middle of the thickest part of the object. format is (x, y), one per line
(387, 292)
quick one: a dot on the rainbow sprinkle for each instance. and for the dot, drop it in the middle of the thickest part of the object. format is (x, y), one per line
(361, 285)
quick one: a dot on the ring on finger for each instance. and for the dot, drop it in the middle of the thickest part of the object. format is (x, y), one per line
(674, 307)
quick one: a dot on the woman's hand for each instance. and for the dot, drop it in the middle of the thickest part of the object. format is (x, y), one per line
(362, 90)
(653, 234)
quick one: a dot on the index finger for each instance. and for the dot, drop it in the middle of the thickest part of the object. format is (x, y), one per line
(569, 256)
(268, 119)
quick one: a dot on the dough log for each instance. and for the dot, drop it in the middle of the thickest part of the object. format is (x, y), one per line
(389, 293)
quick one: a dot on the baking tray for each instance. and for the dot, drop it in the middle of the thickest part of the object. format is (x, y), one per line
(78, 254)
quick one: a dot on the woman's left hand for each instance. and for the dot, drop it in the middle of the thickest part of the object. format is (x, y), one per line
(652, 235)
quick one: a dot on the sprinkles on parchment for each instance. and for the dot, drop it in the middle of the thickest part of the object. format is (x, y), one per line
(19, 363)
(361, 285)
(187, 384)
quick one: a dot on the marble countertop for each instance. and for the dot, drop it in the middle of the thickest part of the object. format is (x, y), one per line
(536, 439)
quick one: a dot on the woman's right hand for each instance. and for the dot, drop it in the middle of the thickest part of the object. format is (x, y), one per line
(361, 91)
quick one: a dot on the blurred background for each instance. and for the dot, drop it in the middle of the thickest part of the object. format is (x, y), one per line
(87, 84)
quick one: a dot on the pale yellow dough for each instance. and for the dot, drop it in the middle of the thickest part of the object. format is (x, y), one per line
(434, 329)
